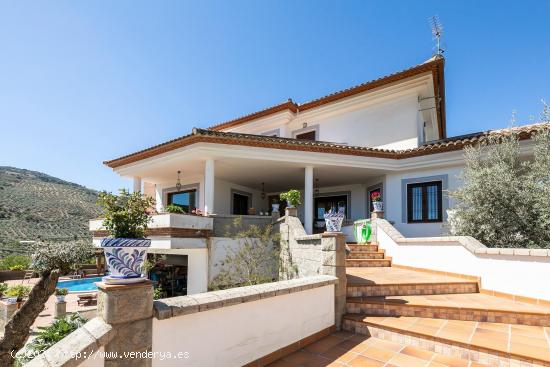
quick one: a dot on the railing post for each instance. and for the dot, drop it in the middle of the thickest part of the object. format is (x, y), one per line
(129, 310)
(334, 263)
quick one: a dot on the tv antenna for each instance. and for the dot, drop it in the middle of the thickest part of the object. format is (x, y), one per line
(437, 32)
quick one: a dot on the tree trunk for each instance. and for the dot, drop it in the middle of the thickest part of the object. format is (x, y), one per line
(18, 327)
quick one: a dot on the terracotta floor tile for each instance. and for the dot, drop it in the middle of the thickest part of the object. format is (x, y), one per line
(530, 351)
(324, 344)
(417, 352)
(526, 330)
(388, 275)
(404, 360)
(361, 361)
(356, 346)
(389, 345)
(522, 339)
(298, 358)
(382, 355)
(449, 361)
(494, 326)
(339, 354)
(490, 343)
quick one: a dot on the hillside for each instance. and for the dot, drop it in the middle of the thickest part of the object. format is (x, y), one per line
(33, 205)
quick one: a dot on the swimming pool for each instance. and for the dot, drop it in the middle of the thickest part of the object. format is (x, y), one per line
(80, 285)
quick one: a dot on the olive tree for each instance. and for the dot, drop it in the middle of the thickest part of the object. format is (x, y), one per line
(254, 260)
(505, 199)
(48, 260)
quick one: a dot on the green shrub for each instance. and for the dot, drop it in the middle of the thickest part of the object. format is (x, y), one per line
(19, 291)
(175, 209)
(17, 268)
(49, 335)
(125, 215)
(61, 291)
(293, 197)
(3, 289)
(10, 261)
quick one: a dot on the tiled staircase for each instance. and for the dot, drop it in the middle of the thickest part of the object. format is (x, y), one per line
(442, 313)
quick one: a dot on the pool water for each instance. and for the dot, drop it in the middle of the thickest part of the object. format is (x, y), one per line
(80, 285)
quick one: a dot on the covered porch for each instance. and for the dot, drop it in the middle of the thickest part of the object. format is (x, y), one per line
(236, 180)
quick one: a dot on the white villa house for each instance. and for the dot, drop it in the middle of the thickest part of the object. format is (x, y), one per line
(387, 135)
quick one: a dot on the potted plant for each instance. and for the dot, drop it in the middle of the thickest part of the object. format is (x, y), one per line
(60, 294)
(334, 219)
(126, 219)
(293, 198)
(377, 203)
(174, 209)
(17, 293)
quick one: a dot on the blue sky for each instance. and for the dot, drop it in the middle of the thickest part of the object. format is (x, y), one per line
(86, 81)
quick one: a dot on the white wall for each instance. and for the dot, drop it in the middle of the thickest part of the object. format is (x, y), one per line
(392, 124)
(393, 201)
(239, 334)
(514, 274)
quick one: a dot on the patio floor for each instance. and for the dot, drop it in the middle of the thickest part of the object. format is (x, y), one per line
(47, 315)
(349, 349)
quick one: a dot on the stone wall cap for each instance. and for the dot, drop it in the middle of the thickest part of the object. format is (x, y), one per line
(115, 287)
(309, 237)
(469, 243)
(201, 302)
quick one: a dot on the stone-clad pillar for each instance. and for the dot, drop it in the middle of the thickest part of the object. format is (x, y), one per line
(6, 312)
(129, 310)
(334, 263)
(60, 309)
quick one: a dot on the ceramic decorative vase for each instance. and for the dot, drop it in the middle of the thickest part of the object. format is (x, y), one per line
(363, 231)
(334, 221)
(275, 207)
(11, 300)
(124, 257)
(378, 206)
(289, 205)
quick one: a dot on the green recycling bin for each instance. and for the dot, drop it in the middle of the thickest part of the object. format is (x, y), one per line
(362, 230)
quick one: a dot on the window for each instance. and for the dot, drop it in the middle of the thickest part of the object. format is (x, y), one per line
(310, 135)
(240, 204)
(183, 199)
(325, 203)
(424, 202)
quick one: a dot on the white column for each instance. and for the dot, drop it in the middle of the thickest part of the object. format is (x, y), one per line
(209, 186)
(308, 200)
(158, 198)
(137, 184)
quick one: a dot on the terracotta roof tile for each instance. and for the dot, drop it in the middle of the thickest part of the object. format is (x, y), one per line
(261, 141)
(435, 65)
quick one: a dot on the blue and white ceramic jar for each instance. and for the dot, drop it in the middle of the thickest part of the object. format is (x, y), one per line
(334, 220)
(124, 257)
(378, 206)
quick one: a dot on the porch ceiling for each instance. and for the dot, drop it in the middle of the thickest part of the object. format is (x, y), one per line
(277, 176)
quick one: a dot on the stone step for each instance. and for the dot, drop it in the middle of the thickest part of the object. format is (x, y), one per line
(366, 255)
(369, 247)
(368, 262)
(494, 344)
(465, 307)
(409, 289)
(350, 349)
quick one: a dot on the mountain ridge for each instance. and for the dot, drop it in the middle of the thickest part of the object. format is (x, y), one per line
(35, 205)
